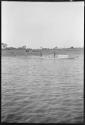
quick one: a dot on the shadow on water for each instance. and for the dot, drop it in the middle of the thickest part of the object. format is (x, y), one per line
(13, 118)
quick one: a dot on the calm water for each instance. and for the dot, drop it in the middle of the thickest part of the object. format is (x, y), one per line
(42, 90)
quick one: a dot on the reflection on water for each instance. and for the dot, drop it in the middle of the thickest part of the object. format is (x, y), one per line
(42, 89)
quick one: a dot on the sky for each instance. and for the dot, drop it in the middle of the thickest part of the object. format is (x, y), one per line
(42, 24)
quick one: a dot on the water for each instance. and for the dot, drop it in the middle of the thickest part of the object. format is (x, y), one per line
(42, 90)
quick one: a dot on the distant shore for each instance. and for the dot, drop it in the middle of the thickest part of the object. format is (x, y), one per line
(40, 52)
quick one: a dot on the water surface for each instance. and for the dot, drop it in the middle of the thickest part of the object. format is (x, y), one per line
(42, 89)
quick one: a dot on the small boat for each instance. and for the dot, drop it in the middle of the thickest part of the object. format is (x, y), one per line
(62, 56)
(66, 57)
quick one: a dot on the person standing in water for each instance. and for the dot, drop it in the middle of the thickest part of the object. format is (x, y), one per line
(41, 53)
(54, 54)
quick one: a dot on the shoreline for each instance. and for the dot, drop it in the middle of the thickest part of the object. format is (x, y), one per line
(41, 52)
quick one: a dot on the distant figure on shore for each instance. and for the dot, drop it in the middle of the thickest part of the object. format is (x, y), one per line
(40, 53)
(27, 50)
(54, 54)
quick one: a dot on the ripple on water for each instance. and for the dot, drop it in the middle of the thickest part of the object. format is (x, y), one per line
(38, 90)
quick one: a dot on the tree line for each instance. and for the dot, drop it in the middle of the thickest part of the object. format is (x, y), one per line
(5, 46)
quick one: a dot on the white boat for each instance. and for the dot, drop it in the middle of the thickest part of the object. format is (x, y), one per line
(62, 56)
(66, 56)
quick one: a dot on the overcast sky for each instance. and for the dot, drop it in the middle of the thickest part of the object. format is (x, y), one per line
(46, 24)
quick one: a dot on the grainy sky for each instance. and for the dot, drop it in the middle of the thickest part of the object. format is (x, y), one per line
(46, 24)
